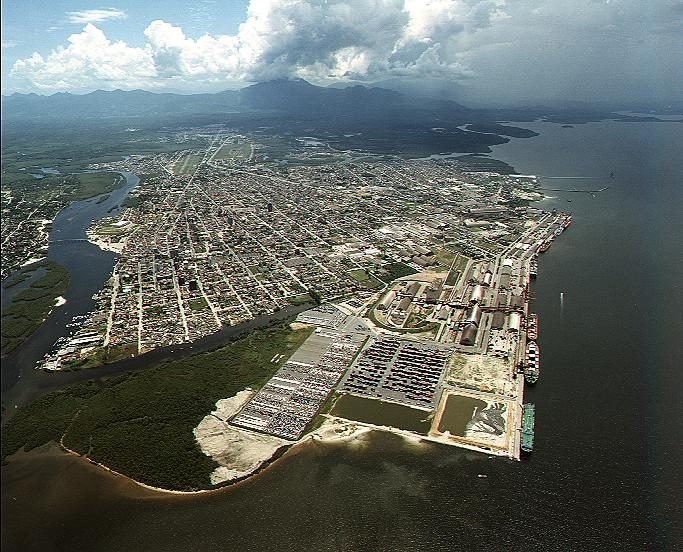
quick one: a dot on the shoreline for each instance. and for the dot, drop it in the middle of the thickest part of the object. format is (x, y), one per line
(334, 430)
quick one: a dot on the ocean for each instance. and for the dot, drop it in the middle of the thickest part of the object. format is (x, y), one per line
(605, 472)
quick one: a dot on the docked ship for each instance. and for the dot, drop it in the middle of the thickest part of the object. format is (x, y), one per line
(533, 267)
(531, 371)
(545, 246)
(528, 417)
(567, 222)
(532, 327)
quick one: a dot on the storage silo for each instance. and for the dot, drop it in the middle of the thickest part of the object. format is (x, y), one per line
(514, 322)
(469, 335)
(474, 317)
(477, 294)
(387, 300)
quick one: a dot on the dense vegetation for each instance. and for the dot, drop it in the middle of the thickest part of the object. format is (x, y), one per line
(142, 424)
(31, 306)
(392, 271)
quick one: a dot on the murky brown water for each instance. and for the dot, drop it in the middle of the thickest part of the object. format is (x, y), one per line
(458, 412)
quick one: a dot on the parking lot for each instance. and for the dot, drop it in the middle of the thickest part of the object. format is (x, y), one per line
(404, 371)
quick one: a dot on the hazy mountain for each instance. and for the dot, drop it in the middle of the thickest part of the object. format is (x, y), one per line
(286, 96)
(299, 96)
(117, 103)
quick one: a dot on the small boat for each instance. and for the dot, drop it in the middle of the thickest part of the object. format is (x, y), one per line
(532, 327)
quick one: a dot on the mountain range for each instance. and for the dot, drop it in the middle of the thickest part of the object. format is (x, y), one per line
(283, 96)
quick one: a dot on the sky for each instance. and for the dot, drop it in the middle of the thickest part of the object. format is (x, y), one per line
(507, 51)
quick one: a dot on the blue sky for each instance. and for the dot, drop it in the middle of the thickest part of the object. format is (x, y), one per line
(40, 26)
(500, 50)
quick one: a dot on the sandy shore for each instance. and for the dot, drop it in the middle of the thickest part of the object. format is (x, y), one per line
(32, 260)
(105, 245)
(238, 452)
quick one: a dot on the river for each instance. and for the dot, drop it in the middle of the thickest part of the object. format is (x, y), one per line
(88, 266)
(605, 473)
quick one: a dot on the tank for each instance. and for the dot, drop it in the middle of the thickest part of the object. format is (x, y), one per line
(488, 278)
(387, 300)
(514, 322)
(469, 335)
(404, 303)
(477, 294)
(498, 320)
(474, 317)
(444, 312)
(413, 288)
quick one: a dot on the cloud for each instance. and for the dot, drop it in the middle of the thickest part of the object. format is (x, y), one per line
(90, 61)
(315, 39)
(522, 47)
(9, 44)
(95, 16)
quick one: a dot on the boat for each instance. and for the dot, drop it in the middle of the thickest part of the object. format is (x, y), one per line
(532, 327)
(567, 223)
(532, 368)
(544, 246)
(533, 267)
(528, 418)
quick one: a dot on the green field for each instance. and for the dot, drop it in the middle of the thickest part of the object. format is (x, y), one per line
(457, 270)
(239, 150)
(392, 271)
(444, 258)
(31, 306)
(363, 278)
(92, 184)
(141, 424)
(188, 163)
(198, 304)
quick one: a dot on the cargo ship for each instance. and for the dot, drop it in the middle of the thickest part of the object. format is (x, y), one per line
(533, 267)
(567, 223)
(528, 416)
(532, 327)
(531, 371)
(545, 246)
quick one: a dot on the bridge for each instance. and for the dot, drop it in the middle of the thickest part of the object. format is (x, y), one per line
(68, 240)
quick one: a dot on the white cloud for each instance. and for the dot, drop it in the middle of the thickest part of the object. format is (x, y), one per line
(315, 39)
(95, 16)
(487, 41)
(90, 61)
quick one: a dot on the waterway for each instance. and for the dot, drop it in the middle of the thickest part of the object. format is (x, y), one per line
(605, 472)
(89, 267)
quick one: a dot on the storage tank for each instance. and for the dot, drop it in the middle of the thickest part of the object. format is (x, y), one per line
(474, 317)
(498, 320)
(469, 335)
(488, 278)
(404, 303)
(413, 288)
(477, 294)
(516, 301)
(386, 302)
(514, 322)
